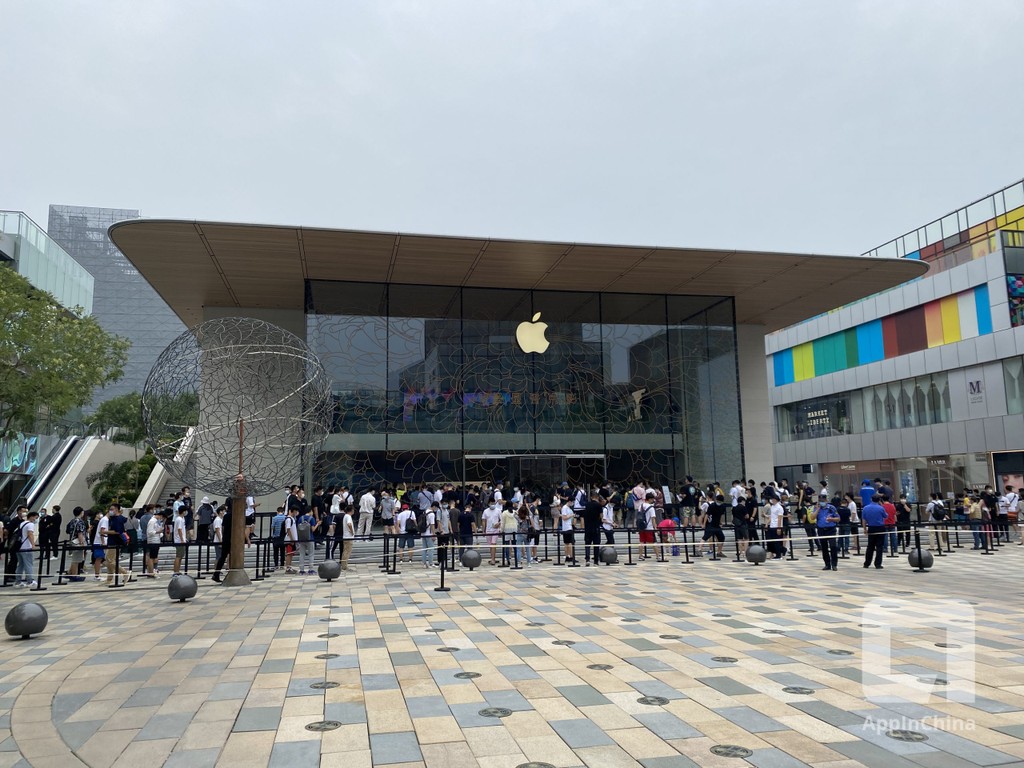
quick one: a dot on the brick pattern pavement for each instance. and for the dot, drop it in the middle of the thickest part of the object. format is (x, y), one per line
(129, 678)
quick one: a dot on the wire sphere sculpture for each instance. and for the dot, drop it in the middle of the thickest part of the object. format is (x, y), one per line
(237, 396)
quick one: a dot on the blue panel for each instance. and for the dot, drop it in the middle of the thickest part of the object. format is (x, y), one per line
(869, 342)
(914, 255)
(984, 309)
(779, 368)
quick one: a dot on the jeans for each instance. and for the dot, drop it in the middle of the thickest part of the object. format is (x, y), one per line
(980, 539)
(25, 564)
(829, 547)
(894, 542)
(305, 555)
(591, 539)
(429, 546)
(844, 538)
(521, 551)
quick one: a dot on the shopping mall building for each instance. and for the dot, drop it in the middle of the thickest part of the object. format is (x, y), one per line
(473, 358)
(922, 383)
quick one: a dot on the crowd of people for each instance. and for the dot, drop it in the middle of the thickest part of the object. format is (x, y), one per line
(506, 524)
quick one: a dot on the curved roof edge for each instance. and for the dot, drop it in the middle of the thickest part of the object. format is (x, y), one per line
(196, 264)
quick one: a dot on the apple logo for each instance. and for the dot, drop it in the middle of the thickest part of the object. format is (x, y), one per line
(530, 335)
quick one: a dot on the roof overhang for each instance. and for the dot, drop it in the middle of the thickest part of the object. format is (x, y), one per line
(197, 264)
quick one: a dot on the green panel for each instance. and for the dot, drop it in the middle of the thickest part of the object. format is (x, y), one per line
(852, 352)
(839, 345)
(824, 356)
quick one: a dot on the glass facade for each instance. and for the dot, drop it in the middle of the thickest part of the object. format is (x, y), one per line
(124, 303)
(914, 402)
(46, 264)
(433, 383)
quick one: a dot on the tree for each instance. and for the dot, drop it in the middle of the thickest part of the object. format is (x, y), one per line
(51, 357)
(123, 412)
(119, 481)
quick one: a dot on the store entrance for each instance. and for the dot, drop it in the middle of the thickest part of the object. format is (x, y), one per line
(537, 472)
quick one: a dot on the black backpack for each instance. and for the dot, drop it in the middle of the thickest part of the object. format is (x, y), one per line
(16, 537)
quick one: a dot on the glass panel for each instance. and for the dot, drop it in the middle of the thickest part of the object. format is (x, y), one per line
(980, 212)
(950, 226)
(1013, 377)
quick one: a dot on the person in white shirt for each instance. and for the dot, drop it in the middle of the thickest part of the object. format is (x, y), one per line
(154, 535)
(647, 522)
(250, 519)
(608, 522)
(406, 535)
(567, 516)
(1013, 510)
(291, 538)
(517, 496)
(774, 533)
(367, 506)
(99, 543)
(736, 492)
(180, 540)
(348, 535)
(218, 531)
(26, 558)
(492, 527)
(429, 536)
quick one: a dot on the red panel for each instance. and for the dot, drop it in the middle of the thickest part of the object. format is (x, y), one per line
(911, 330)
(929, 251)
(889, 337)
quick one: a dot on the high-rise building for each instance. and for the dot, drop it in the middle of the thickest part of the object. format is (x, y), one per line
(123, 302)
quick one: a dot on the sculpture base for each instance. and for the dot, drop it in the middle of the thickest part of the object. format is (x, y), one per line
(237, 577)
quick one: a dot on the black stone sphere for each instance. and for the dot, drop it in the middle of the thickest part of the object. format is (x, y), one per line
(182, 587)
(26, 619)
(471, 559)
(926, 559)
(329, 570)
(756, 554)
(609, 556)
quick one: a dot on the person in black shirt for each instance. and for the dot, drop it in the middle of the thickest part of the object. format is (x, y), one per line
(903, 521)
(592, 526)
(467, 526)
(740, 524)
(713, 524)
(225, 547)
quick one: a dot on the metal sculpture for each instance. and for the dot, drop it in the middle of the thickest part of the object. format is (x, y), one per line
(236, 406)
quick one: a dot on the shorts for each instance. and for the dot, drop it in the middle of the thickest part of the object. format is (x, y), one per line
(492, 539)
(289, 549)
(387, 522)
(250, 520)
(180, 550)
(77, 556)
(533, 538)
(406, 540)
(646, 537)
(99, 553)
(742, 533)
(855, 528)
(568, 537)
(713, 533)
(153, 550)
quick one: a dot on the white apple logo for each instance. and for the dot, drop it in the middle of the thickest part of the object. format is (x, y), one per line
(530, 335)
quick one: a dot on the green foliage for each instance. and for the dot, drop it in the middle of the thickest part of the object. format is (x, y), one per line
(123, 412)
(50, 358)
(120, 481)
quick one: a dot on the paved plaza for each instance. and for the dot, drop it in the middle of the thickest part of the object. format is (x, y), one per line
(659, 665)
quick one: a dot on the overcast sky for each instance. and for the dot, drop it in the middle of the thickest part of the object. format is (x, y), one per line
(825, 126)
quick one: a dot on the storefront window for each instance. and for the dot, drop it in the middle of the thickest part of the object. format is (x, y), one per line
(909, 403)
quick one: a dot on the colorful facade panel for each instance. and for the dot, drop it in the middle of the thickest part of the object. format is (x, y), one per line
(953, 318)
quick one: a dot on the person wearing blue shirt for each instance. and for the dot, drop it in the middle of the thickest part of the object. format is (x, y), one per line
(874, 516)
(277, 537)
(827, 517)
(866, 492)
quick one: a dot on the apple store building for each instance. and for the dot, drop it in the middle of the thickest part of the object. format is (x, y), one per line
(472, 359)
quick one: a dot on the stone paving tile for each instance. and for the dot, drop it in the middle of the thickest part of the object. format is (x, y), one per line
(217, 682)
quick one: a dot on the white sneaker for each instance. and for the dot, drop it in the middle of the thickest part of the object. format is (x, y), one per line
(33, 585)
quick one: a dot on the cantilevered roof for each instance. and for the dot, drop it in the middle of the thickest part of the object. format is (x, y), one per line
(196, 264)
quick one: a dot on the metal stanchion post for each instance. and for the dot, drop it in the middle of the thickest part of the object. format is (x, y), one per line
(629, 547)
(515, 558)
(260, 573)
(444, 567)
(546, 558)
(63, 563)
(917, 544)
(956, 535)
(39, 576)
(117, 566)
(787, 533)
(384, 564)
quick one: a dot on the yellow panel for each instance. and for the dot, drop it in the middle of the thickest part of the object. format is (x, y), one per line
(803, 362)
(983, 247)
(1017, 214)
(980, 229)
(950, 319)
